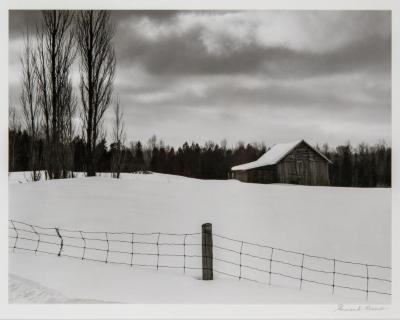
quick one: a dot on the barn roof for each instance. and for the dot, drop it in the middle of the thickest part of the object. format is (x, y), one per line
(274, 155)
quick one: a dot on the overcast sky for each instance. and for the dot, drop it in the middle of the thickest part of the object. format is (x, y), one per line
(271, 76)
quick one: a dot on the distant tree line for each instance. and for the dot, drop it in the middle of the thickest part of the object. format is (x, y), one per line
(361, 166)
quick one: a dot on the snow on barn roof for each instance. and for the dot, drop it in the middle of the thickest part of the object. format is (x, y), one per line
(274, 155)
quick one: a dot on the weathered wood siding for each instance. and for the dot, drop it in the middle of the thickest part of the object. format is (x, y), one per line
(263, 175)
(303, 166)
(240, 175)
(258, 175)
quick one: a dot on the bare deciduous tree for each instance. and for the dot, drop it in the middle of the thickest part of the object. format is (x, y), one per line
(68, 131)
(14, 126)
(97, 67)
(30, 107)
(119, 139)
(53, 59)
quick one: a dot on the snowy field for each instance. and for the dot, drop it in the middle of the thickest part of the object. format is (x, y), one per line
(343, 223)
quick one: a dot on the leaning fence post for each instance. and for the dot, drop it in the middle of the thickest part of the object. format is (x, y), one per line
(207, 251)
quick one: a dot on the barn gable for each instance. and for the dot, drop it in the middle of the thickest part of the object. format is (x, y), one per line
(315, 152)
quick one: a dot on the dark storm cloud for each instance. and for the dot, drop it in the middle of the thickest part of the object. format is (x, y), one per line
(158, 15)
(311, 97)
(186, 54)
(22, 20)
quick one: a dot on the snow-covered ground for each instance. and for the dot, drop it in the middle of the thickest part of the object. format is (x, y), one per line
(26, 291)
(341, 223)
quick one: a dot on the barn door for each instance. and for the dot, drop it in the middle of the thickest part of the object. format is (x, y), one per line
(301, 171)
(313, 172)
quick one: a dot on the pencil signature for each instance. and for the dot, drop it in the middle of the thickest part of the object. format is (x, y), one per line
(342, 307)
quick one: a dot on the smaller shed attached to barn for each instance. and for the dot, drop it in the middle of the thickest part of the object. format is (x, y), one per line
(295, 162)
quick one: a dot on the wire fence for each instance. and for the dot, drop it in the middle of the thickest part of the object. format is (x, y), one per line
(232, 258)
(261, 263)
(126, 248)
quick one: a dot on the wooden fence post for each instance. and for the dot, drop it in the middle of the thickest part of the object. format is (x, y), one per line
(207, 251)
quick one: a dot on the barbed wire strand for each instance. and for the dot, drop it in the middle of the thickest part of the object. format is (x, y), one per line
(158, 249)
(108, 247)
(333, 276)
(84, 245)
(132, 249)
(367, 280)
(240, 261)
(301, 272)
(184, 254)
(270, 266)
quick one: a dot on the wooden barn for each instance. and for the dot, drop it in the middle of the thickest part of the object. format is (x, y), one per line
(296, 162)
